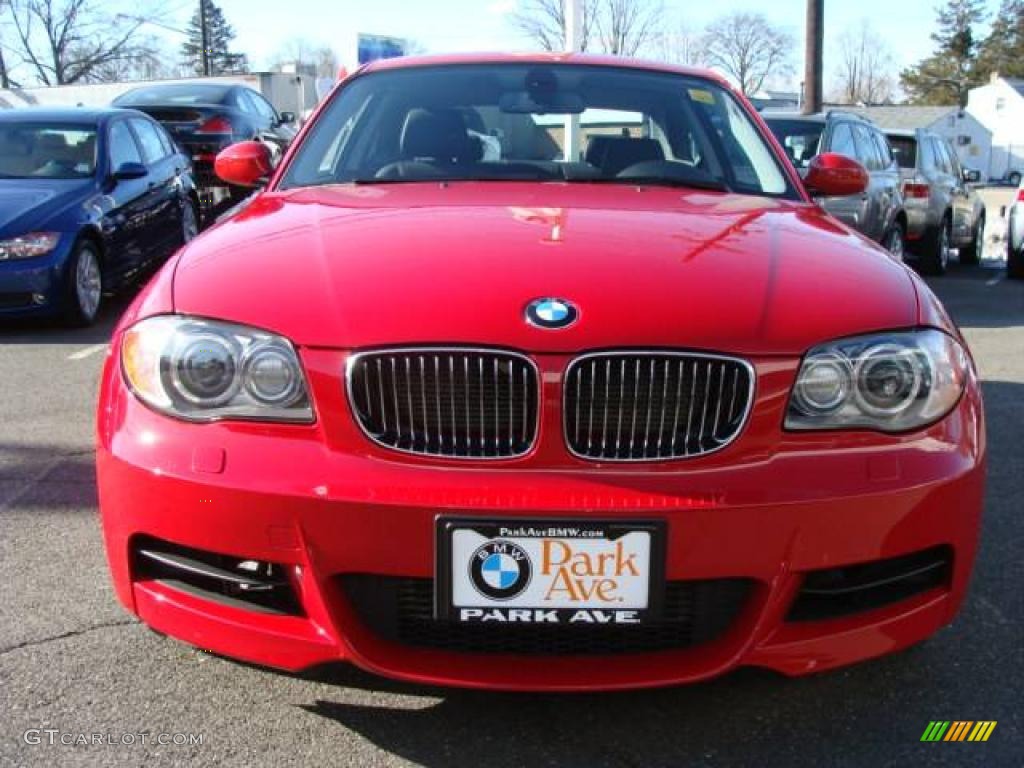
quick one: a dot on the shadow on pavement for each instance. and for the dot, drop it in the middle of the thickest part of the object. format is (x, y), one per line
(51, 330)
(980, 297)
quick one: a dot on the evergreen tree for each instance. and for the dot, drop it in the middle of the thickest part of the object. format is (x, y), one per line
(940, 78)
(1003, 50)
(219, 34)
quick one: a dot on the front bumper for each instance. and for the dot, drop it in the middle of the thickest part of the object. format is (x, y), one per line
(768, 514)
(32, 287)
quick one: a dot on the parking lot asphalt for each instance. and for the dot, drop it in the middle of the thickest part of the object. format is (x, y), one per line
(72, 660)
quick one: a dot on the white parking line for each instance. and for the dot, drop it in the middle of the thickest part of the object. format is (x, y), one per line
(995, 280)
(87, 352)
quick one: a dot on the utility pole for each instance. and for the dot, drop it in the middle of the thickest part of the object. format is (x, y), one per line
(205, 38)
(813, 62)
(573, 40)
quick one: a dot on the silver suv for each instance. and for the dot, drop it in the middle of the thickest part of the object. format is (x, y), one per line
(878, 213)
(943, 211)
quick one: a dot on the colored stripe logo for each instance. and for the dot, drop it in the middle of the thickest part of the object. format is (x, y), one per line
(958, 730)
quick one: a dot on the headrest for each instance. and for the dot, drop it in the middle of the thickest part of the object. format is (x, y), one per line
(622, 153)
(54, 141)
(436, 134)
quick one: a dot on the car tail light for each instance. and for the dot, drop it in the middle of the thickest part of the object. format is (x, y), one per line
(1020, 195)
(217, 124)
(914, 191)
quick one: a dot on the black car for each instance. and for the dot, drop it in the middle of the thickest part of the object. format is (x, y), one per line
(207, 117)
(879, 212)
(89, 201)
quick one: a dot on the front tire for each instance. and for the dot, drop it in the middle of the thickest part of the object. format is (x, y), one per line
(1014, 262)
(895, 242)
(189, 222)
(1014, 179)
(84, 292)
(971, 253)
(935, 256)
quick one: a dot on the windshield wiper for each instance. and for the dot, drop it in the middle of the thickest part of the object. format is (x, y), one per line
(712, 185)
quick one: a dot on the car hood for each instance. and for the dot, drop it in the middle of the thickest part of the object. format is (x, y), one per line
(360, 266)
(28, 205)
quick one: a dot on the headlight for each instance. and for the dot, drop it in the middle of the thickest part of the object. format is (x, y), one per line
(202, 370)
(28, 246)
(891, 382)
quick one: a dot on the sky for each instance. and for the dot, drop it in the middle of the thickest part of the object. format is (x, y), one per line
(263, 26)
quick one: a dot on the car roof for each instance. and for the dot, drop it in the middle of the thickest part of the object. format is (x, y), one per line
(69, 115)
(199, 85)
(818, 117)
(590, 59)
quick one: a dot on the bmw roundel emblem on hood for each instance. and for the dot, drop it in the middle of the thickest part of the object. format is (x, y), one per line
(551, 313)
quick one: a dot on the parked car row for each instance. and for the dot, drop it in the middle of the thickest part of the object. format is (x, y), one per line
(205, 118)
(919, 204)
(91, 200)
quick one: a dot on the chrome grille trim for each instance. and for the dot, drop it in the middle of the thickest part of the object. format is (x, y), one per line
(491, 409)
(702, 399)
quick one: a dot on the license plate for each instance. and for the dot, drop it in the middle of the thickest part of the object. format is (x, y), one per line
(551, 572)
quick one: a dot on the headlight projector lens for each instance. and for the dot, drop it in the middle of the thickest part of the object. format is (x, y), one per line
(203, 370)
(271, 377)
(888, 379)
(823, 386)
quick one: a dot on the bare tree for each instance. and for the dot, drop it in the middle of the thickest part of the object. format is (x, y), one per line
(618, 27)
(746, 47)
(543, 21)
(151, 62)
(866, 70)
(306, 53)
(69, 41)
(680, 46)
(624, 27)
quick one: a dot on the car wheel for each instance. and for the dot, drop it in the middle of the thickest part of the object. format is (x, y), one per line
(189, 222)
(971, 253)
(1014, 262)
(895, 242)
(935, 258)
(85, 286)
(1014, 179)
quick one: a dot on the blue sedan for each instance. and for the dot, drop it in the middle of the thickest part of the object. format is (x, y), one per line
(89, 201)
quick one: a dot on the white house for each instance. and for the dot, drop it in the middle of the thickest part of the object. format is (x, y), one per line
(999, 106)
(968, 136)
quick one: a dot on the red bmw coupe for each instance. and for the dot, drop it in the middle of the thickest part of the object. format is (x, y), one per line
(539, 372)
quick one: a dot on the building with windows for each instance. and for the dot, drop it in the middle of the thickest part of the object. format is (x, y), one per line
(971, 139)
(999, 106)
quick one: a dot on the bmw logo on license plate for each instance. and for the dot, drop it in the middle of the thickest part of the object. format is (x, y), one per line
(551, 313)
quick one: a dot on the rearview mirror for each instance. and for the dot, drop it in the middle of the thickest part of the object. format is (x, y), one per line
(287, 117)
(543, 103)
(833, 175)
(130, 171)
(246, 164)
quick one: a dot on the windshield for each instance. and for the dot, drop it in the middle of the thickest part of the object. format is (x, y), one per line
(33, 150)
(173, 94)
(800, 138)
(508, 122)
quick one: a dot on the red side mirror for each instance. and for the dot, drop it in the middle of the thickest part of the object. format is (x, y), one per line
(246, 164)
(832, 175)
